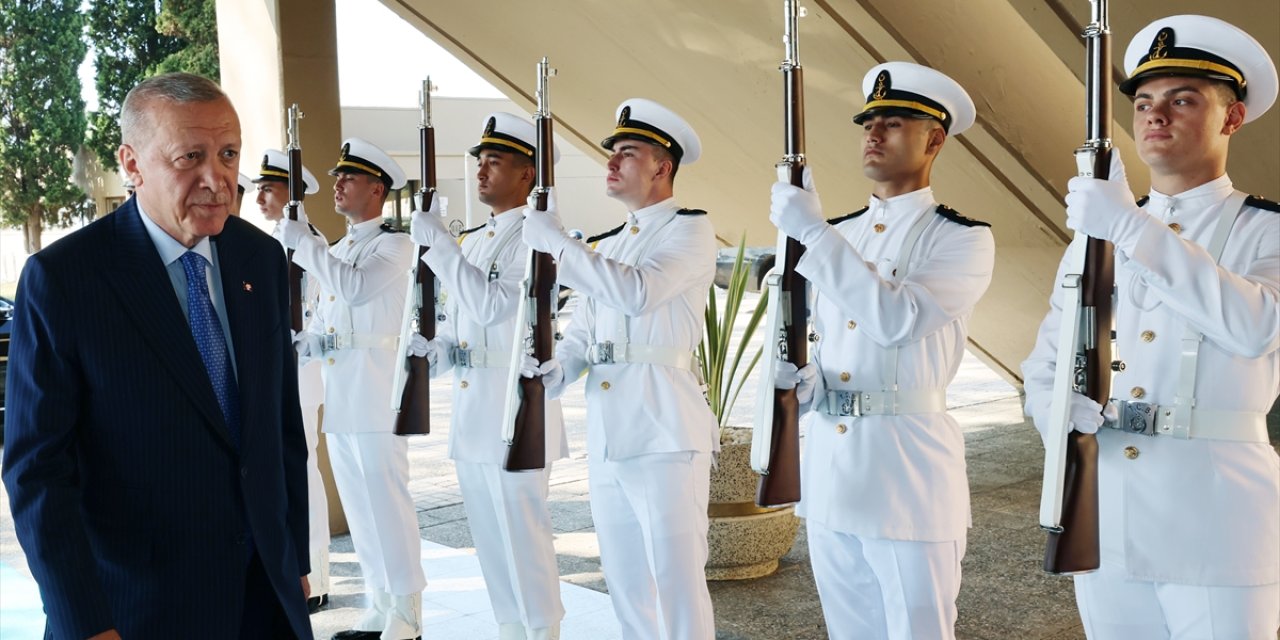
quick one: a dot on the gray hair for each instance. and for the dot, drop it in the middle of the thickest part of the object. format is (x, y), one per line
(181, 88)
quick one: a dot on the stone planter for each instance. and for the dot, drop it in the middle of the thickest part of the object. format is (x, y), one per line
(744, 540)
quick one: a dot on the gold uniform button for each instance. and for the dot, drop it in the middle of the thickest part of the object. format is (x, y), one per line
(1131, 453)
(1137, 392)
(879, 228)
(330, 329)
(489, 234)
(844, 376)
(464, 384)
(635, 230)
(350, 242)
(330, 360)
(605, 385)
(853, 325)
(332, 298)
(840, 428)
(1177, 228)
(1148, 336)
(463, 344)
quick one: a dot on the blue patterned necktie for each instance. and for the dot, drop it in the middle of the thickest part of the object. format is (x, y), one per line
(207, 331)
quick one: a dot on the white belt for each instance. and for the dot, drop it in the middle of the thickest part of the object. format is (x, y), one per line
(610, 353)
(339, 341)
(1145, 418)
(481, 358)
(840, 403)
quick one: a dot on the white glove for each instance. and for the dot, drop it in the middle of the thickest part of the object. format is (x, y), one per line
(551, 371)
(421, 347)
(786, 376)
(1105, 209)
(291, 232)
(307, 344)
(798, 212)
(542, 229)
(427, 227)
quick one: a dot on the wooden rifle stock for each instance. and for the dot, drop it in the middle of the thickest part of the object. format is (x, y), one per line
(528, 449)
(297, 191)
(414, 416)
(781, 485)
(1074, 546)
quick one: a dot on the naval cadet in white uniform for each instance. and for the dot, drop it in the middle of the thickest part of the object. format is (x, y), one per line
(884, 491)
(1188, 481)
(507, 512)
(650, 433)
(272, 197)
(363, 279)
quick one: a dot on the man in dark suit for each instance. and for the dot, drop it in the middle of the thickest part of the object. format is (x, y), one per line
(155, 458)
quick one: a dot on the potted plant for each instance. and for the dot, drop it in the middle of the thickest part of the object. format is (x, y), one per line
(744, 540)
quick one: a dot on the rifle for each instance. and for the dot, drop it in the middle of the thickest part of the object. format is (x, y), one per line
(775, 442)
(524, 415)
(412, 401)
(297, 191)
(1069, 495)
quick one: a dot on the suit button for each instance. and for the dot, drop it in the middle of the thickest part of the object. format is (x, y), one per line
(1177, 228)
(330, 360)
(244, 472)
(840, 428)
(844, 376)
(853, 325)
(1137, 393)
(605, 385)
(1148, 336)
(1131, 453)
(463, 385)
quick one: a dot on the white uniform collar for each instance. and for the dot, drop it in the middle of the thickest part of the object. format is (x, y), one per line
(1197, 199)
(905, 204)
(362, 229)
(506, 218)
(653, 211)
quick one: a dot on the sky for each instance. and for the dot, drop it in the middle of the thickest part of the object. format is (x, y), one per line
(372, 30)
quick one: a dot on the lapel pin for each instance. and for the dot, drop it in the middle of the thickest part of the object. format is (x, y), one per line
(248, 286)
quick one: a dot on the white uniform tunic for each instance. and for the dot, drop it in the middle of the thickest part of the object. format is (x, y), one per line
(898, 477)
(1194, 511)
(650, 432)
(508, 514)
(363, 279)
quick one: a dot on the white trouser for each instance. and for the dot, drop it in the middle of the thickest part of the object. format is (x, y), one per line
(885, 589)
(372, 474)
(1115, 608)
(511, 528)
(650, 513)
(317, 505)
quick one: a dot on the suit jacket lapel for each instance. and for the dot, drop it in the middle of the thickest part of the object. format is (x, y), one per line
(239, 269)
(140, 280)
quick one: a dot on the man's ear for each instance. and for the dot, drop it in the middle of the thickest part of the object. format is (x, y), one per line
(665, 167)
(128, 158)
(1235, 118)
(937, 137)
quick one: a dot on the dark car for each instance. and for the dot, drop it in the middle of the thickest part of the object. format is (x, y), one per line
(6, 322)
(760, 260)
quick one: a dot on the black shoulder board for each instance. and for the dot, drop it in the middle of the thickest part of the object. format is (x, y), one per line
(387, 228)
(951, 214)
(1260, 202)
(474, 229)
(691, 212)
(601, 236)
(1142, 202)
(847, 216)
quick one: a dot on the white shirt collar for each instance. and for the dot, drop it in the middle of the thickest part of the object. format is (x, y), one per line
(1194, 199)
(508, 217)
(654, 210)
(907, 203)
(169, 248)
(365, 228)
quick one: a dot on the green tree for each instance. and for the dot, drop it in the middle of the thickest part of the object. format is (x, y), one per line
(195, 24)
(42, 120)
(127, 47)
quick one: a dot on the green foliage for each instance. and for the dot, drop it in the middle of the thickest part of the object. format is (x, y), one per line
(195, 23)
(127, 48)
(42, 121)
(718, 371)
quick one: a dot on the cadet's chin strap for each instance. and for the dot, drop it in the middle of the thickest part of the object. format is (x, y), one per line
(1184, 400)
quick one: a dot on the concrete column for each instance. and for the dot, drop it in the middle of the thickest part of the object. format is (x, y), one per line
(274, 53)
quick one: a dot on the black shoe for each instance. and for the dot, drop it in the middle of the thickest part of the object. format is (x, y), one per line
(317, 603)
(352, 634)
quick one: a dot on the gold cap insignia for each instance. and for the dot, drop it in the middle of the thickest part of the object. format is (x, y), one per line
(488, 127)
(882, 85)
(346, 151)
(1161, 44)
(265, 162)
(624, 116)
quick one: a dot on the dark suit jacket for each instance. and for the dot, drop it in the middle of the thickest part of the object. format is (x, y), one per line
(131, 503)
